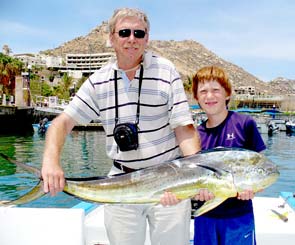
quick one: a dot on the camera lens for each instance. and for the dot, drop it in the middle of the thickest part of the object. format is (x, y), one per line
(126, 136)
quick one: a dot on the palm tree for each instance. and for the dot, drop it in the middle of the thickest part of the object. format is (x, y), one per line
(6, 49)
(63, 88)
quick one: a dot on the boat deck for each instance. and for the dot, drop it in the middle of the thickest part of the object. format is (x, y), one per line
(84, 224)
(271, 229)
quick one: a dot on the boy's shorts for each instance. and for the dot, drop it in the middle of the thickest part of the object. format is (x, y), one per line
(225, 231)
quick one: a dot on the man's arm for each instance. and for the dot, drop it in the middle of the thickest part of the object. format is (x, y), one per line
(52, 172)
(188, 139)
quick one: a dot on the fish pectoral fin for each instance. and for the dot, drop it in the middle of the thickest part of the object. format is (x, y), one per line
(207, 206)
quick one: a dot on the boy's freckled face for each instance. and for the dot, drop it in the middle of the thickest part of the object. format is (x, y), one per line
(212, 97)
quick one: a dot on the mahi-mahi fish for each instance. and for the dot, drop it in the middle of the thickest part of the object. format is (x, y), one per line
(224, 172)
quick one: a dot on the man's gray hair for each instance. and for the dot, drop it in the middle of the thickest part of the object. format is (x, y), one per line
(127, 12)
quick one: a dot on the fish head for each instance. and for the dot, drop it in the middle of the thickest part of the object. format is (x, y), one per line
(257, 173)
(250, 170)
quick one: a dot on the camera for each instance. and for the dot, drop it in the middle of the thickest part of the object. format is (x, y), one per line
(126, 136)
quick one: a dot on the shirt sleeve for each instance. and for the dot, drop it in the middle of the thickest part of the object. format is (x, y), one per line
(254, 140)
(83, 107)
(180, 114)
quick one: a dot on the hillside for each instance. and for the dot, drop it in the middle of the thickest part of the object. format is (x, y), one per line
(188, 56)
(285, 86)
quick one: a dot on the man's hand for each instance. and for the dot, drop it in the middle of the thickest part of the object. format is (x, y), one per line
(53, 179)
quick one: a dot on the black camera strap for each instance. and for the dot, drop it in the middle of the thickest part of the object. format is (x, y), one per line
(138, 102)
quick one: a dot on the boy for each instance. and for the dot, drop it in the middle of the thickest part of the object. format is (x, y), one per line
(232, 222)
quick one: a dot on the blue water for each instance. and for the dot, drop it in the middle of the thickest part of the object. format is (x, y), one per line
(84, 155)
(281, 150)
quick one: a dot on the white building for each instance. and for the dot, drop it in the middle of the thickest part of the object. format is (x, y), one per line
(53, 61)
(79, 64)
(30, 59)
(76, 65)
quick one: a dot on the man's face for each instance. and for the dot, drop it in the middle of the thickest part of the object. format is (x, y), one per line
(129, 49)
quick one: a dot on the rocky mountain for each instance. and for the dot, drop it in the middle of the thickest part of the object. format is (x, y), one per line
(286, 86)
(188, 56)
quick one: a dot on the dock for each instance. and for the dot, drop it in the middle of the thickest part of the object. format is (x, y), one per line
(51, 113)
(16, 119)
(48, 112)
(20, 120)
(89, 127)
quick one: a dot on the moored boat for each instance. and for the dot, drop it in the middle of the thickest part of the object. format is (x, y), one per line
(42, 126)
(272, 128)
(290, 127)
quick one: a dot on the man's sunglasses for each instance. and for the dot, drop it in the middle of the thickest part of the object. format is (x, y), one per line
(127, 32)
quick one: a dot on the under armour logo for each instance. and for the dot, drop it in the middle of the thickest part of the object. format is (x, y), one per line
(230, 136)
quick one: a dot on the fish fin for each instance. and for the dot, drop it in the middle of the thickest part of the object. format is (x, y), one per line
(218, 172)
(31, 169)
(207, 206)
(32, 195)
(91, 178)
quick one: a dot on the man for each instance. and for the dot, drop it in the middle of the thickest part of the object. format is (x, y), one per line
(141, 103)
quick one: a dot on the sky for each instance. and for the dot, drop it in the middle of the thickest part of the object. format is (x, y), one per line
(257, 35)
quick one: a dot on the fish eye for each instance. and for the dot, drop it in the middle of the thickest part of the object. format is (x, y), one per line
(260, 170)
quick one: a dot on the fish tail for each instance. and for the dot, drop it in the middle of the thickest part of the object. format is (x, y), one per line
(35, 193)
(32, 195)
